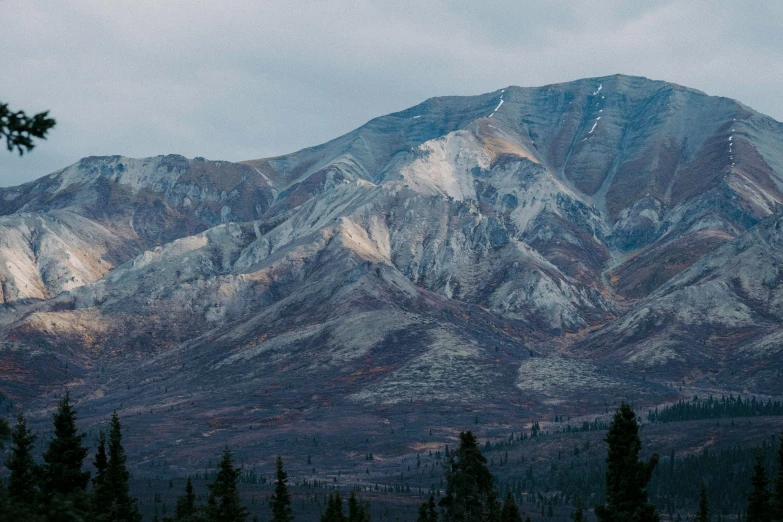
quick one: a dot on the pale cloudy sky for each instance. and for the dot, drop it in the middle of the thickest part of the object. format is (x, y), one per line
(242, 79)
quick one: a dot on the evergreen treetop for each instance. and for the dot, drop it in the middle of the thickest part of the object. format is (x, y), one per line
(468, 483)
(703, 514)
(224, 504)
(578, 514)
(427, 512)
(101, 494)
(510, 511)
(357, 512)
(23, 481)
(18, 129)
(281, 498)
(123, 506)
(186, 509)
(5, 432)
(777, 499)
(759, 508)
(65, 454)
(626, 475)
(334, 509)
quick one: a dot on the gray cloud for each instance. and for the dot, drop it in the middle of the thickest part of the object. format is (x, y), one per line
(245, 79)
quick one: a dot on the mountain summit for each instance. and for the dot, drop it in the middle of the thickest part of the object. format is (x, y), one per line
(523, 246)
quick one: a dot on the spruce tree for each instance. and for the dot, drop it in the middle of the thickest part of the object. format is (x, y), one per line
(626, 475)
(703, 514)
(357, 512)
(18, 129)
(186, 510)
(123, 506)
(510, 511)
(578, 514)
(759, 508)
(334, 509)
(5, 505)
(777, 499)
(64, 483)
(468, 483)
(101, 495)
(224, 504)
(492, 508)
(23, 481)
(281, 498)
(5, 432)
(427, 511)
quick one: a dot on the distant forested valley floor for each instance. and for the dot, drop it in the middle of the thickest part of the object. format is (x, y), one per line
(551, 470)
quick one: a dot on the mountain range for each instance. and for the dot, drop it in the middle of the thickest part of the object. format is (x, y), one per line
(515, 255)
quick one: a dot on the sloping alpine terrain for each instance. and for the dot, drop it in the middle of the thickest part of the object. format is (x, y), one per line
(522, 253)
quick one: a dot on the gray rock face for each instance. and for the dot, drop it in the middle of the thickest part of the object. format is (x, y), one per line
(462, 250)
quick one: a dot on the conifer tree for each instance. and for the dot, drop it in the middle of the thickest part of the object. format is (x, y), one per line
(123, 506)
(357, 512)
(703, 514)
(626, 475)
(510, 511)
(334, 509)
(281, 498)
(23, 481)
(578, 515)
(101, 495)
(468, 483)
(427, 511)
(492, 509)
(5, 505)
(5, 433)
(224, 504)
(186, 510)
(777, 499)
(64, 483)
(759, 508)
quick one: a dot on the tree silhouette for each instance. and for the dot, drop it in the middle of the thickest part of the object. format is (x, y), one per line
(626, 475)
(224, 504)
(281, 499)
(23, 481)
(19, 129)
(123, 506)
(469, 491)
(427, 511)
(759, 508)
(510, 511)
(777, 499)
(186, 510)
(64, 483)
(578, 515)
(703, 514)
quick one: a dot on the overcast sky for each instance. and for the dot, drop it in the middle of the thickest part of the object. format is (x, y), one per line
(243, 79)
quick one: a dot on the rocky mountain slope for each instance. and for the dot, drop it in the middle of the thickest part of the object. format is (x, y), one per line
(522, 252)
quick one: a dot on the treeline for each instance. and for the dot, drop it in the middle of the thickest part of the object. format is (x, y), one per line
(674, 486)
(717, 484)
(515, 439)
(60, 490)
(471, 492)
(731, 481)
(711, 408)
